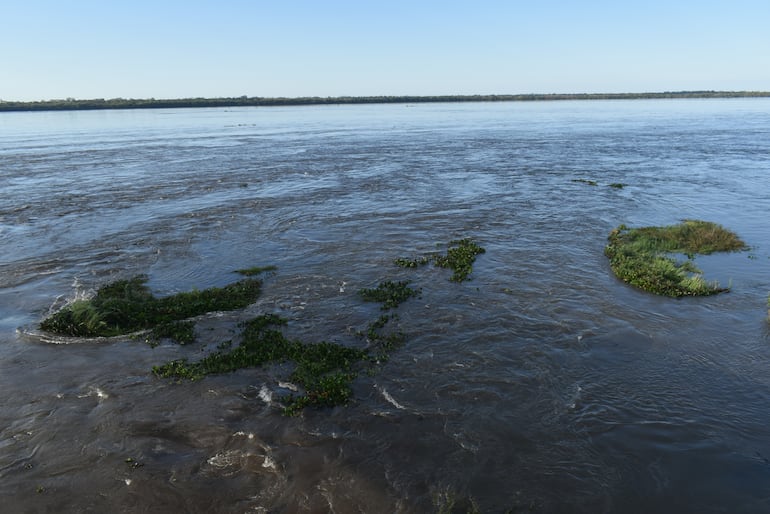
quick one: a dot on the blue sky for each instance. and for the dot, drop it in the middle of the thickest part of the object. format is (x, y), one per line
(170, 48)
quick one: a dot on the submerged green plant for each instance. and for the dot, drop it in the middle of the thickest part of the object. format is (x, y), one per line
(256, 270)
(642, 256)
(585, 181)
(183, 332)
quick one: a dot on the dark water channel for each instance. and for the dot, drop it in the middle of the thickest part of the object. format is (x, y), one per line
(542, 385)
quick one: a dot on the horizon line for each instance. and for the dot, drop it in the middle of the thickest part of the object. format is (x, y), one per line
(256, 101)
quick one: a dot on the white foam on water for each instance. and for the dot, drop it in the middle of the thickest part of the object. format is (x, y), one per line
(224, 459)
(266, 395)
(289, 386)
(385, 394)
(95, 391)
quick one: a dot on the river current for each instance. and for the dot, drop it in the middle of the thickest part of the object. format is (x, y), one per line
(543, 384)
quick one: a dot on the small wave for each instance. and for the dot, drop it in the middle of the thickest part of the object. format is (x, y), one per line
(34, 334)
(95, 391)
(225, 459)
(385, 394)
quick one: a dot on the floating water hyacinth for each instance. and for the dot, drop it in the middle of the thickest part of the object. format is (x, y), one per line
(642, 256)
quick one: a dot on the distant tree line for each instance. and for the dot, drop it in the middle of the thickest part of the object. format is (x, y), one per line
(71, 104)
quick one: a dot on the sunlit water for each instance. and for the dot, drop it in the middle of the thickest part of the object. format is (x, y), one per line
(543, 384)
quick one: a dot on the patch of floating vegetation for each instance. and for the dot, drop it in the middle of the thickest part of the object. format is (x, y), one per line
(643, 257)
(324, 371)
(128, 306)
(383, 343)
(617, 185)
(459, 257)
(413, 263)
(389, 293)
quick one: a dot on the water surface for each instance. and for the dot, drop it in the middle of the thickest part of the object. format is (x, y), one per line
(543, 383)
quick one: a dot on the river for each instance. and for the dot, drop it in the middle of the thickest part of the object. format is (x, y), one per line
(543, 384)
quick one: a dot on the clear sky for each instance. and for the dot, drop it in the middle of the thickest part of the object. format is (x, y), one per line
(51, 49)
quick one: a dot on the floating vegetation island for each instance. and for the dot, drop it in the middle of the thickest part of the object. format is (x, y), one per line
(644, 257)
(323, 372)
(128, 306)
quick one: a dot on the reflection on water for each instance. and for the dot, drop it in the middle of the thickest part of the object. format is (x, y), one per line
(543, 384)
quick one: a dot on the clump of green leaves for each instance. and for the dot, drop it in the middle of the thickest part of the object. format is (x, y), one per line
(459, 257)
(405, 262)
(617, 185)
(127, 306)
(389, 293)
(643, 258)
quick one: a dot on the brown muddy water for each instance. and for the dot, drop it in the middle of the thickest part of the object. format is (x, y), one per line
(542, 385)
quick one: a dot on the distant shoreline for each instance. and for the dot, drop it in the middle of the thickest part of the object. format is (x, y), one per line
(71, 104)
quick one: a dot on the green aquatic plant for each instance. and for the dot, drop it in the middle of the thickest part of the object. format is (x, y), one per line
(383, 342)
(405, 262)
(617, 185)
(460, 257)
(128, 306)
(585, 181)
(324, 370)
(643, 257)
(389, 293)
(182, 332)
